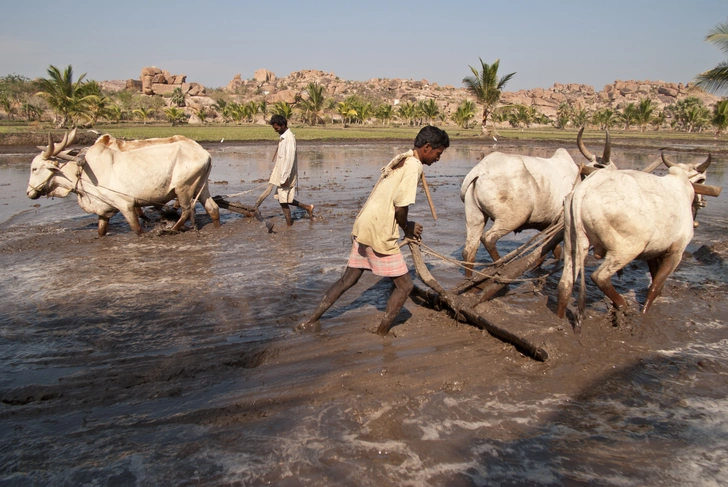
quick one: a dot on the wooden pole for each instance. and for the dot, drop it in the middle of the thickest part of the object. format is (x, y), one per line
(455, 304)
(429, 198)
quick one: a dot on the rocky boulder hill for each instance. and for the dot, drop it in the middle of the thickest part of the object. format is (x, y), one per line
(265, 85)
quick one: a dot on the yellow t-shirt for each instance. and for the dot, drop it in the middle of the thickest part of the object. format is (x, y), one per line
(375, 226)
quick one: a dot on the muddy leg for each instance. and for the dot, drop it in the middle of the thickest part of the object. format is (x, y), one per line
(403, 288)
(308, 208)
(351, 276)
(287, 213)
(103, 225)
(668, 263)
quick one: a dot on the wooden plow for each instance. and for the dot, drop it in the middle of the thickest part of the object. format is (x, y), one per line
(243, 210)
(498, 275)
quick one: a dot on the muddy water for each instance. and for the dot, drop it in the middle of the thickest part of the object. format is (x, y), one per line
(170, 359)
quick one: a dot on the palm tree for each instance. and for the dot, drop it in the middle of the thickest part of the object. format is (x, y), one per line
(563, 115)
(720, 116)
(8, 105)
(644, 113)
(144, 113)
(579, 117)
(407, 112)
(311, 107)
(605, 118)
(430, 110)
(175, 115)
(64, 95)
(485, 86)
(282, 108)
(629, 115)
(716, 80)
(385, 113)
(364, 111)
(346, 111)
(464, 113)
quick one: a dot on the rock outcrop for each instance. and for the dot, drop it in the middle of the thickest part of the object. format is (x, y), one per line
(155, 81)
(265, 85)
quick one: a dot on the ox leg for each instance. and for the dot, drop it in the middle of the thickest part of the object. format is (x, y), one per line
(475, 222)
(491, 237)
(210, 206)
(664, 267)
(103, 225)
(132, 217)
(602, 277)
(185, 203)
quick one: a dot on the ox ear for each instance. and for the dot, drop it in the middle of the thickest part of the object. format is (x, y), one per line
(705, 165)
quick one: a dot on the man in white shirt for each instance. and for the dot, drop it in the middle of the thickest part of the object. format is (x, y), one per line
(285, 172)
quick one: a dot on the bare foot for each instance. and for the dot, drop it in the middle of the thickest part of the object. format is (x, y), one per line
(310, 212)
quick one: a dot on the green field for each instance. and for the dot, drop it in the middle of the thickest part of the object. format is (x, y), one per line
(251, 133)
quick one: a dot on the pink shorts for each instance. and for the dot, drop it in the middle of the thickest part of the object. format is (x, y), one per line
(364, 257)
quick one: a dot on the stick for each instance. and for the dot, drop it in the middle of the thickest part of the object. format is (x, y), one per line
(707, 189)
(456, 305)
(243, 210)
(429, 198)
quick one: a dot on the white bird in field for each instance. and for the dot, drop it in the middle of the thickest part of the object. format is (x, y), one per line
(222, 140)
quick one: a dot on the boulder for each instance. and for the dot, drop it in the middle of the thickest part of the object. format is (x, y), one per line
(288, 96)
(263, 76)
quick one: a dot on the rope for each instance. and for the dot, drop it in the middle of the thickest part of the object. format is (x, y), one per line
(246, 192)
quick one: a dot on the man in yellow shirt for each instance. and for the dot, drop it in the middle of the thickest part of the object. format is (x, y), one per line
(376, 229)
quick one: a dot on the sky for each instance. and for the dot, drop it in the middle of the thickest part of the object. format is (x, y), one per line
(544, 42)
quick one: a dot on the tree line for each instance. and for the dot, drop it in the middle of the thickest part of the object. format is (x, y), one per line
(80, 102)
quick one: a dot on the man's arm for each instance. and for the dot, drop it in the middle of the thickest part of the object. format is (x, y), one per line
(411, 229)
(287, 153)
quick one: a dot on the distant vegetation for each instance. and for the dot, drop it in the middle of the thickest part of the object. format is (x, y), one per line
(62, 100)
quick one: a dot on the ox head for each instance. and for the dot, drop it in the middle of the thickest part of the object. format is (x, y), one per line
(46, 165)
(696, 174)
(596, 162)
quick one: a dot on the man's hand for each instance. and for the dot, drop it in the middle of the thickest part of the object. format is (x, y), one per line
(413, 230)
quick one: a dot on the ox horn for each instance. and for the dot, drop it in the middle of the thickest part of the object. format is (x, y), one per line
(607, 155)
(68, 138)
(704, 166)
(666, 161)
(48, 151)
(583, 148)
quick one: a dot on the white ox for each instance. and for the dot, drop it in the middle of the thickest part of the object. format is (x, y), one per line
(518, 193)
(117, 175)
(627, 215)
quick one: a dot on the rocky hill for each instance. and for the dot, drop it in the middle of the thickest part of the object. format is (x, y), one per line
(265, 85)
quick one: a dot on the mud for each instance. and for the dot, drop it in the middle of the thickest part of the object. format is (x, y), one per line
(170, 359)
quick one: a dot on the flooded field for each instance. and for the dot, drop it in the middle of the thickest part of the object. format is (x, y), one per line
(170, 359)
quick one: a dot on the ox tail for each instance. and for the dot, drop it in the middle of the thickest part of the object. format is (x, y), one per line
(580, 247)
(203, 178)
(469, 180)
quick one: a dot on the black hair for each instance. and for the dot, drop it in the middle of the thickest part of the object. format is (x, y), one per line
(432, 135)
(278, 120)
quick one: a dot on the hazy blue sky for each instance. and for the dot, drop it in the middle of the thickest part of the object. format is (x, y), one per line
(544, 42)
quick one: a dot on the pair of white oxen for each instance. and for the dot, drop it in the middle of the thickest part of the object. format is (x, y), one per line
(623, 214)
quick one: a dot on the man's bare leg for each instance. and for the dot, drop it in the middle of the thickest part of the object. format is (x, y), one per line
(346, 281)
(402, 288)
(287, 213)
(308, 208)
